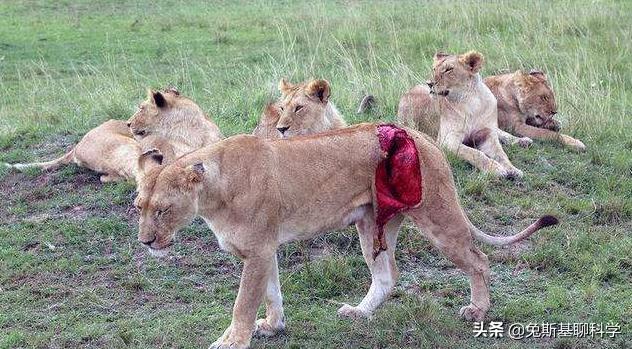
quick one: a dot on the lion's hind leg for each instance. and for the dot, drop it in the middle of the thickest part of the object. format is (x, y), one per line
(449, 232)
(383, 269)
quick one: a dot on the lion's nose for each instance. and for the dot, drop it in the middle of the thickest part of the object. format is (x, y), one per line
(282, 129)
(147, 242)
(129, 124)
(430, 83)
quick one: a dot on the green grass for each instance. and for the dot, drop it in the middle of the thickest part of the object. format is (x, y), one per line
(72, 275)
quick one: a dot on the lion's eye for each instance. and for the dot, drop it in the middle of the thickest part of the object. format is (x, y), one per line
(162, 211)
(447, 70)
(281, 108)
(544, 98)
(298, 107)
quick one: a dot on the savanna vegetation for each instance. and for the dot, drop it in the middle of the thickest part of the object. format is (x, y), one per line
(72, 274)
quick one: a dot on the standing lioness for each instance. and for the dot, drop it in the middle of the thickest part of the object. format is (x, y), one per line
(256, 194)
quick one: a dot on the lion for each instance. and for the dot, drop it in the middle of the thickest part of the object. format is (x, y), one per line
(256, 194)
(176, 118)
(108, 149)
(302, 109)
(459, 109)
(526, 106)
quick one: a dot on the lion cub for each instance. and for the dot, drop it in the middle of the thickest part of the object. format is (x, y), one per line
(108, 149)
(176, 118)
(459, 109)
(526, 106)
(302, 109)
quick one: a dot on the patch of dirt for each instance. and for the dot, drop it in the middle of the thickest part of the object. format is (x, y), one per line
(30, 191)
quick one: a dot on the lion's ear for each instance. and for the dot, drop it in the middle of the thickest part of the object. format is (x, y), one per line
(285, 86)
(195, 172)
(271, 111)
(472, 60)
(319, 89)
(173, 90)
(149, 157)
(439, 56)
(538, 74)
(157, 98)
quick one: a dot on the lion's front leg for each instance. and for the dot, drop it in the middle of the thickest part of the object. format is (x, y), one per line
(274, 321)
(508, 138)
(548, 135)
(475, 157)
(491, 147)
(254, 277)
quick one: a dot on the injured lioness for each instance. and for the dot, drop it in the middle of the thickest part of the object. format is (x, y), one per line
(460, 111)
(108, 149)
(256, 194)
(302, 109)
(526, 106)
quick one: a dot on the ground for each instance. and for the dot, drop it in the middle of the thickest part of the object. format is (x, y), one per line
(73, 275)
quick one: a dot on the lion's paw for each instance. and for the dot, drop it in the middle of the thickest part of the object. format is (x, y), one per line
(221, 344)
(579, 146)
(472, 313)
(525, 142)
(514, 173)
(352, 312)
(264, 329)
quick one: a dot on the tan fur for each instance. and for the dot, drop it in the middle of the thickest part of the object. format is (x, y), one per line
(176, 118)
(302, 109)
(257, 194)
(457, 106)
(266, 127)
(526, 106)
(109, 149)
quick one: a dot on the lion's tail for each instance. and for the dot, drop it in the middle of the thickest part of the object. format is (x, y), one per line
(543, 222)
(366, 104)
(47, 165)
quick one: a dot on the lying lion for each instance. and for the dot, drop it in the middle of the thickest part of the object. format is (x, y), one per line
(257, 194)
(526, 106)
(175, 118)
(459, 109)
(303, 109)
(108, 149)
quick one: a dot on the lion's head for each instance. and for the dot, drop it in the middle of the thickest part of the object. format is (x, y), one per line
(302, 107)
(268, 120)
(454, 73)
(536, 100)
(158, 106)
(167, 201)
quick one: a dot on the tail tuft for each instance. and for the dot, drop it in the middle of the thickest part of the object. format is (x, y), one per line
(367, 103)
(547, 221)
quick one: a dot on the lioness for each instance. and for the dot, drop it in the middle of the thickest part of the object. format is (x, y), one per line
(459, 109)
(256, 194)
(302, 109)
(526, 106)
(176, 118)
(109, 149)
